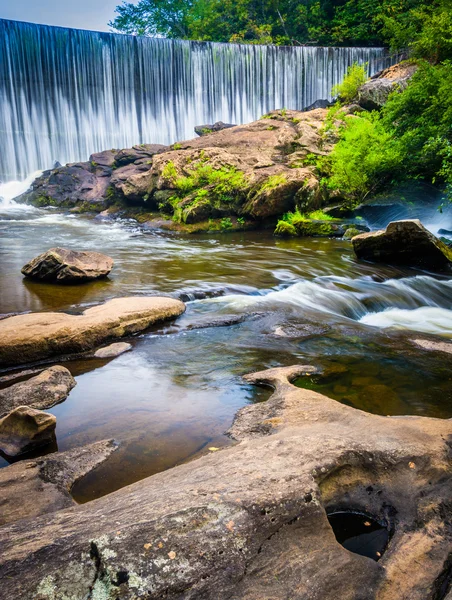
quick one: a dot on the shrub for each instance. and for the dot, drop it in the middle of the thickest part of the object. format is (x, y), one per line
(353, 80)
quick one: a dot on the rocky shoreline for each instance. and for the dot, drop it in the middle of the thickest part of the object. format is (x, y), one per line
(251, 521)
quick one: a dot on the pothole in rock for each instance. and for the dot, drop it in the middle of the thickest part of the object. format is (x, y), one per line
(359, 533)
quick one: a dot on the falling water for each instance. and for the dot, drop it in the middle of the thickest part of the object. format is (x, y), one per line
(66, 93)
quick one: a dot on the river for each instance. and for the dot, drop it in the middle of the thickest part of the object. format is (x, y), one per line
(253, 302)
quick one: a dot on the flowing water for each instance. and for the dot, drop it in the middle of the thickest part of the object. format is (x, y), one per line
(66, 93)
(253, 302)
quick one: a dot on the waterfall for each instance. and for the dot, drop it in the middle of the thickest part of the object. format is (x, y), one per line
(66, 93)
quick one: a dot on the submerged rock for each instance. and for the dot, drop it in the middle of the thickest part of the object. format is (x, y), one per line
(38, 336)
(25, 429)
(251, 521)
(403, 242)
(41, 392)
(60, 265)
(38, 486)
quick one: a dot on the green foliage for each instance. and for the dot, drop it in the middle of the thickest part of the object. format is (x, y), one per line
(224, 183)
(226, 223)
(319, 215)
(367, 156)
(285, 229)
(324, 22)
(272, 182)
(353, 80)
(177, 146)
(169, 171)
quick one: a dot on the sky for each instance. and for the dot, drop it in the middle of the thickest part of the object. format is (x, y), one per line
(80, 14)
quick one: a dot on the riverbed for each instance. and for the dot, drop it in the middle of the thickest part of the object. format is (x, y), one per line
(253, 302)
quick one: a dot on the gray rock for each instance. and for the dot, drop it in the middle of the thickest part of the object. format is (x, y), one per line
(25, 429)
(403, 242)
(40, 392)
(318, 104)
(206, 129)
(60, 265)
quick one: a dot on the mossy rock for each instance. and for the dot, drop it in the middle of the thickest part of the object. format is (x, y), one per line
(285, 229)
(311, 228)
(350, 233)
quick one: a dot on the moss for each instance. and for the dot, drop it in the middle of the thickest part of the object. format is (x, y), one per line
(285, 229)
(350, 233)
(272, 182)
(170, 172)
(177, 146)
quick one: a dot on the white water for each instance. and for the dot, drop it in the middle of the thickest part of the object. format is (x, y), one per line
(65, 93)
(419, 303)
(12, 189)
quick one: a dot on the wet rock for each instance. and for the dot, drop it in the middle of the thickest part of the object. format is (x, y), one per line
(351, 232)
(250, 522)
(60, 265)
(207, 129)
(141, 152)
(25, 429)
(403, 242)
(40, 392)
(433, 345)
(113, 350)
(38, 336)
(38, 486)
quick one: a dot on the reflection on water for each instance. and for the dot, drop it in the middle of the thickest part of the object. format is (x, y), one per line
(292, 301)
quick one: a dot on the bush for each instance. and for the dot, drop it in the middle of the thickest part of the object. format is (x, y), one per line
(354, 79)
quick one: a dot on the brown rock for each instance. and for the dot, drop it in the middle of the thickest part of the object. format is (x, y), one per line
(37, 336)
(113, 350)
(41, 392)
(375, 92)
(250, 522)
(25, 429)
(34, 487)
(403, 242)
(60, 265)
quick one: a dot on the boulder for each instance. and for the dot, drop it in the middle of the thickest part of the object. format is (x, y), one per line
(40, 392)
(321, 103)
(39, 336)
(142, 152)
(251, 521)
(374, 93)
(207, 129)
(403, 242)
(25, 429)
(35, 487)
(60, 265)
(113, 350)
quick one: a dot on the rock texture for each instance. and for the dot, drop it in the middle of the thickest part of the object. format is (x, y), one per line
(34, 487)
(37, 336)
(250, 522)
(41, 392)
(403, 242)
(270, 156)
(25, 429)
(374, 93)
(60, 265)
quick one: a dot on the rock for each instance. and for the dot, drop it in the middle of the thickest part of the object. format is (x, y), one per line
(40, 392)
(374, 93)
(433, 345)
(140, 152)
(318, 104)
(207, 129)
(59, 265)
(103, 159)
(250, 522)
(35, 487)
(38, 336)
(113, 350)
(403, 242)
(351, 232)
(25, 429)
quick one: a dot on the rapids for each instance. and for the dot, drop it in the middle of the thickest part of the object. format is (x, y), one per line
(253, 302)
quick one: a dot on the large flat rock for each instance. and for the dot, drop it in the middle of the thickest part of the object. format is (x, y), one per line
(405, 242)
(250, 522)
(38, 336)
